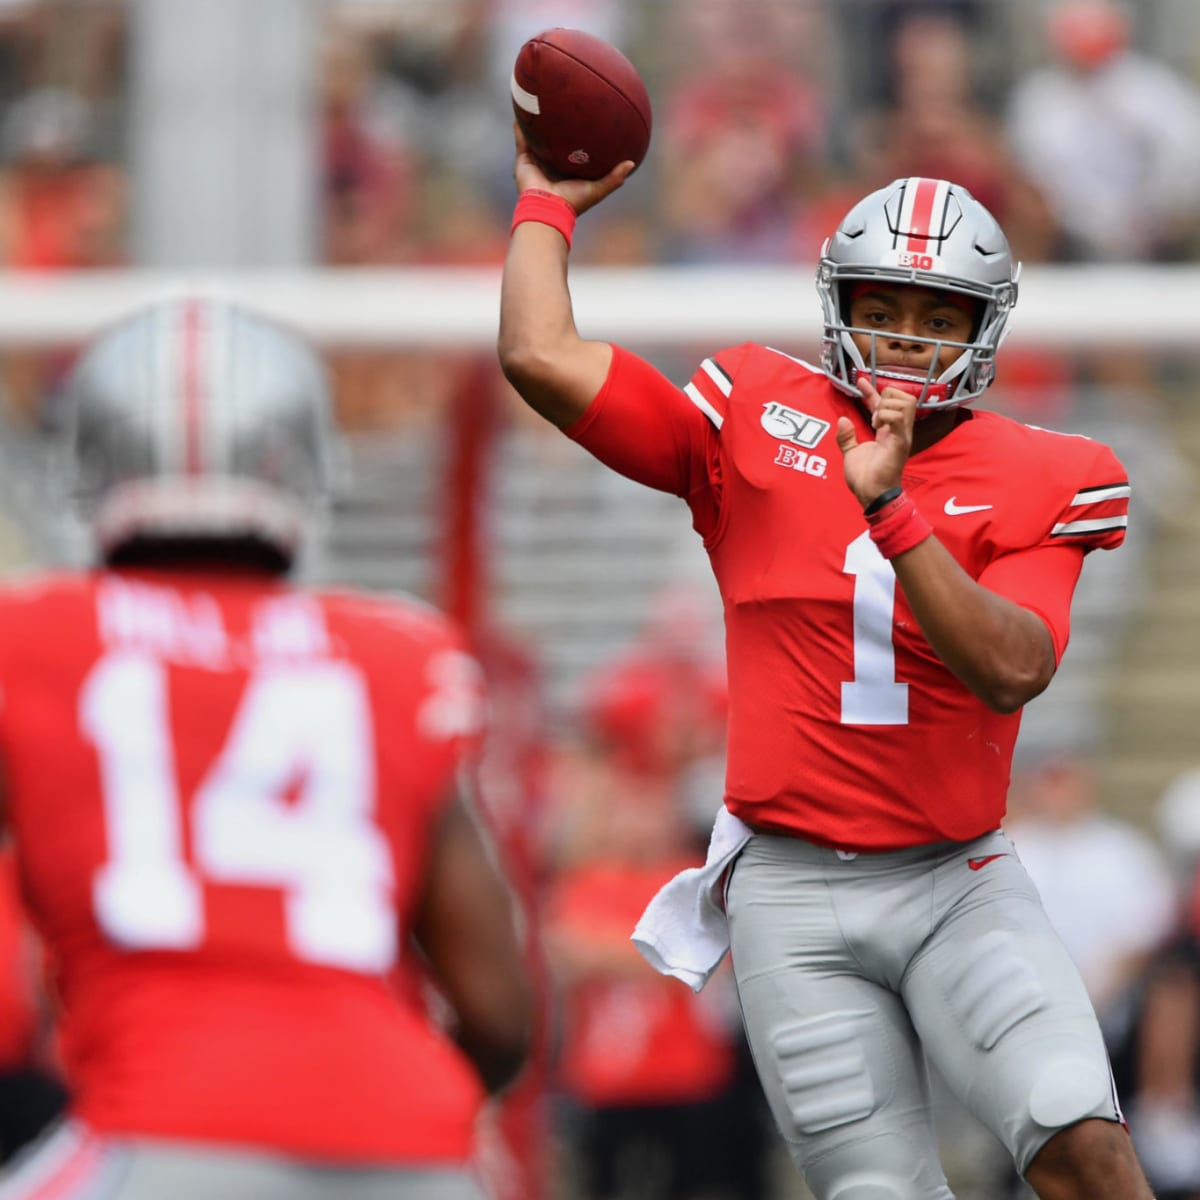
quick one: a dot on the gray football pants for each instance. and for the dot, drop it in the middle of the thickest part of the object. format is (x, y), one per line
(74, 1164)
(851, 969)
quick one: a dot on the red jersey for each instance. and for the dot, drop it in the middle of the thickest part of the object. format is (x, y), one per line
(222, 794)
(844, 726)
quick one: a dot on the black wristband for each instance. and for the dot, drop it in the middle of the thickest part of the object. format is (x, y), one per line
(882, 499)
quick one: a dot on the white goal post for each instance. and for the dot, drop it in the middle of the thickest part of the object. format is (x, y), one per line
(1147, 307)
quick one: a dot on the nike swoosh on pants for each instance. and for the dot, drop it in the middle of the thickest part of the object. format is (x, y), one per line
(976, 863)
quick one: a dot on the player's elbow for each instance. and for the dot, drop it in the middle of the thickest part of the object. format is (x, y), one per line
(1013, 685)
(1017, 663)
(556, 376)
(526, 364)
(1007, 700)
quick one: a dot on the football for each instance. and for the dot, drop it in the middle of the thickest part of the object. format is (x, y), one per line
(580, 103)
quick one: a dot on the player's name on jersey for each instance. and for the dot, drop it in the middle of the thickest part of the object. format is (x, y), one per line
(189, 627)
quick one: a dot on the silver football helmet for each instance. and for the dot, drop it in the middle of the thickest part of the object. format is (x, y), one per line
(933, 233)
(196, 421)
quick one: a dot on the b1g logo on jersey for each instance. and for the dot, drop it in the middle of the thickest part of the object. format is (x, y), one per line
(801, 460)
(789, 425)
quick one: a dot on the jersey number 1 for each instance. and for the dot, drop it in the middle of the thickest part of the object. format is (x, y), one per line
(873, 696)
(304, 726)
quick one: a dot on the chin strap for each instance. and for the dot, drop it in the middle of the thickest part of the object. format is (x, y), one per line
(936, 392)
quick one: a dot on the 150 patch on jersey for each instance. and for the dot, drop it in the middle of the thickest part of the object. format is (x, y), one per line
(790, 425)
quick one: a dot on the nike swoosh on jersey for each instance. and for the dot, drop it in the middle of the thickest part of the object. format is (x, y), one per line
(977, 864)
(953, 509)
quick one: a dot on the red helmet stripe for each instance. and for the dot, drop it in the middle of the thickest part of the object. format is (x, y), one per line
(920, 204)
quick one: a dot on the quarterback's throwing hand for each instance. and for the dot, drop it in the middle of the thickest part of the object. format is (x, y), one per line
(873, 467)
(580, 194)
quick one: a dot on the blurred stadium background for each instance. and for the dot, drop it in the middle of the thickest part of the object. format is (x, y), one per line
(345, 165)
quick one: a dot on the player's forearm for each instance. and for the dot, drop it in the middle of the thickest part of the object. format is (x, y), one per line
(1002, 652)
(556, 372)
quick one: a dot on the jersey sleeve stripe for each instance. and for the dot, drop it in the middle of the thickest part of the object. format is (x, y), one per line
(1084, 528)
(693, 394)
(710, 389)
(1108, 491)
(714, 371)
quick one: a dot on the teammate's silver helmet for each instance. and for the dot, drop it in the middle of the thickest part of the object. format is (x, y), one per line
(936, 234)
(195, 420)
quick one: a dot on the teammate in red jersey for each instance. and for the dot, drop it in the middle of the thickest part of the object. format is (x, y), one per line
(237, 813)
(896, 570)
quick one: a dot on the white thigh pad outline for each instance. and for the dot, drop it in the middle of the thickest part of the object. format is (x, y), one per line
(823, 1069)
(992, 989)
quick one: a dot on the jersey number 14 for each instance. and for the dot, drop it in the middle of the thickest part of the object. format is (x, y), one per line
(305, 723)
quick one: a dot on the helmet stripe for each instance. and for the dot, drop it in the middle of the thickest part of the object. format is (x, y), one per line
(924, 205)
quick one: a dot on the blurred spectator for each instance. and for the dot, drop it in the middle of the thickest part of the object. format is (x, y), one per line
(371, 199)
(370, 175)
(657, 710)
(661, 704)
(82, 42)
(1112, 138)
(459, 227)
(643, 1061)
(865, 32)
(445, 66)
(61, 209)
(394, 77)
(934, 125)
(1178, 818)
(1107, 888)
(1156, 1055)
(742, 134)
(514, 1131)
(1159, 1070)
(660, 1096)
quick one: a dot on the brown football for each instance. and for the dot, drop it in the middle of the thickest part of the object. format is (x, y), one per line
(580, 103)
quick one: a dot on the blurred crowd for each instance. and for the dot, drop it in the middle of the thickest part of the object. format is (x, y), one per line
(1080, 134)
(1064, 117)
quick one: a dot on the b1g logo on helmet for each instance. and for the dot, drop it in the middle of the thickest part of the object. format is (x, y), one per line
(789, 425)
(912, 259)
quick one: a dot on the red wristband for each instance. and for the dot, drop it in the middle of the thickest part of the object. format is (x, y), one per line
(546, 208)
(897, 527)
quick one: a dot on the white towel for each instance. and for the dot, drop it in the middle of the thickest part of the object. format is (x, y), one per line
(683, 931)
